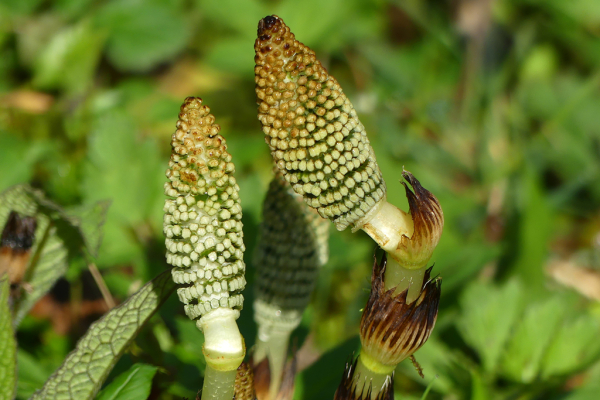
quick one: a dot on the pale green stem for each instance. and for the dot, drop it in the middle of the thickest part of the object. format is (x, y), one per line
(223, 350)
(261, 348)
(387, 225)
(401, 278)
(274, 345)
(277, 355)
(365, 375)
(218, 385)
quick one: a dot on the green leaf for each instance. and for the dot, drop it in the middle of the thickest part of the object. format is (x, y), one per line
(315, 28)
(143, 34)
(233, 55)
(8, 349)
(452, 374)
(133, 384)
(528, 345)
(574, 346)
(58, 232)
(69, 60)
(130, 174)
(88, 219)
(488, 314)
(19, 156)
(31, 374)
(240, 16)
(119, 169)
(85, 368)
(189, 350)
(48, 260)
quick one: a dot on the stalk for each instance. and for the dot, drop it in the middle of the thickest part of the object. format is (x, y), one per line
(320, 146)
(218, 385)
(292, 246)
(399, 278)
(204, 241)
(369, 373)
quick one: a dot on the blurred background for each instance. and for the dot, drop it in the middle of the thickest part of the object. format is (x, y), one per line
(492, 104)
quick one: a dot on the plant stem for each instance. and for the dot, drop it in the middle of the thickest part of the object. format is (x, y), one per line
(402, 278)
(273, 343)
(223, 350)
(218, 385)
(387, 224)
(108, 299)
(370, 372)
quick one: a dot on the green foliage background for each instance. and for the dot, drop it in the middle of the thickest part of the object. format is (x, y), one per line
(492, 105)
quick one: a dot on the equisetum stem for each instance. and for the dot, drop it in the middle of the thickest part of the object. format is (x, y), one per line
(387, 224)
(403, 278)
(224, 352)
(274, 345)
(369, 371)
(218, 385)
(278, 347)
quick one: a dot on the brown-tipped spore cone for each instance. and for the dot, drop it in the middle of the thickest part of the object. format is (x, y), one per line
(313, 131)
(350, 390)
(390, 329)
(202, 221)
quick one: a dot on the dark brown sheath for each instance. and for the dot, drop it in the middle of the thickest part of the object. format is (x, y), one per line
(390, 329)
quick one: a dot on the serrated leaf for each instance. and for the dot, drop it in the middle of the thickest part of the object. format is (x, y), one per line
(527, 346)
(8, 349)
(48, 260)
(133, 384)
(574, 346)
(85, 368)
(488, 314)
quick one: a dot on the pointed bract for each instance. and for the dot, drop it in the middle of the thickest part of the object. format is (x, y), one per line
(428, 220)
(348, 390)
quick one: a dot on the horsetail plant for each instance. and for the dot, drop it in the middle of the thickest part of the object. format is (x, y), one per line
(204, 242)
(292, 246)
(321, 148)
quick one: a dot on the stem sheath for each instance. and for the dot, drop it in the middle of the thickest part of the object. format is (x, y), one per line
(387, 224)
(218, 385)
(368, 374)
(402, 278)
